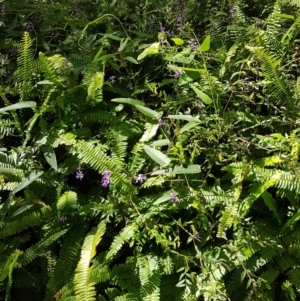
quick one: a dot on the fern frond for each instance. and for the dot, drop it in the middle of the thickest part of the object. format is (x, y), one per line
(35, 250)
(28, 220)
(25, 66)
(270, 64)
(66, 263)
(85, 290)
(120, 240)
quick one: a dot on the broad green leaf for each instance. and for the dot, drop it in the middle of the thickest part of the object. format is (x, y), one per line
(153, 49)
(123, 45)
(131, 59)
(150, 131)
(129, 101)
(177, 41)
(285, 16)
(188, 69)
(161, 142)
(45, 82)
(205, 46)
(148, 112)
(188, 126)
(51, 157)
(27, 181)
(67, 200)
(157, 156)
(164, 198)
(204, 97)
(19, 105)
(185, 117)
(177, 170)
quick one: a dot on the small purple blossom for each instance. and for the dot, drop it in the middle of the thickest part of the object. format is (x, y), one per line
(176, 75)
(161, 122)
(141, 178)
(61, 219)
(28, 27)
(231, 10)
(79, 174)
(174, 198)
(112, 79)
(105, 178)
(180, 19)
(162, 29)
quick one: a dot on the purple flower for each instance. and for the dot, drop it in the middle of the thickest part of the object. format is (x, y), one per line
(112, 79)
(28, 27)
(161, 122)
(176, 75)
(105, 178)
(231, 10)
(162, 29)
(61, 219)
(174, 198)
(140, 178)
(79, 174)
(180, 19)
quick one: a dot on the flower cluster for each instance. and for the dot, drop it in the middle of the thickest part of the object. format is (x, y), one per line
(105, 178)
(174, 198)
(79, 174)
(141, 178)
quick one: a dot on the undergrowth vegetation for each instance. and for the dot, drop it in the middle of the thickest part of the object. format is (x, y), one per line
(149, 151)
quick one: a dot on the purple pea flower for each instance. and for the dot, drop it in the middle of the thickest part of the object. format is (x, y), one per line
(140, 178)
(105, 178)
(161, 122)
(28, 27)
(112, 79)
(176, 75)
(174, 198)
(180, 19)
(79, 174)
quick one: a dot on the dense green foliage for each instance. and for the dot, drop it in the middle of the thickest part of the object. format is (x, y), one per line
(149, 151)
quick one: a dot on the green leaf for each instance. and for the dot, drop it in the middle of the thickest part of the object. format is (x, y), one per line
(161, 142)
(19, 105)
(151, 130)
(204, 97)
(45, 82)
(129, 101)
(152, 49)
(122, 46)
(285, 16)
(177, 41)
(185, 117)
(205, 46)
(131, 59)
(157, 156)
(27, 181)
(177, 170)
(148, 112)
(51, 157)
(164, 198)
(67, 200)
(188, 126)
